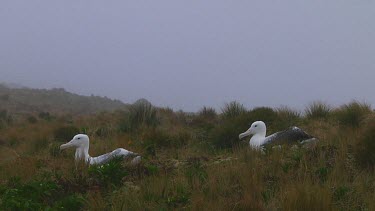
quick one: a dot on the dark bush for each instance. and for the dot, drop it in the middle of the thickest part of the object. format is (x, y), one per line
(45, 115)
(32, 119)
(365, 148)
(5, 97)
(225, 134)
(5, 118)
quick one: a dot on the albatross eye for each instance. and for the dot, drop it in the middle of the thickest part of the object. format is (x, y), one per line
(255, 125)
(79, 138)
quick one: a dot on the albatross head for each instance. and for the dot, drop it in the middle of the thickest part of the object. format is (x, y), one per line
(78, 141)
(257, 128)
(81, 143)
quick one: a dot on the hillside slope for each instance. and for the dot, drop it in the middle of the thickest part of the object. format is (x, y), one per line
(57, 100)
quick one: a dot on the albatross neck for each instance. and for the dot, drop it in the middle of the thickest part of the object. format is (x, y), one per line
(82, 153)
(257, 140)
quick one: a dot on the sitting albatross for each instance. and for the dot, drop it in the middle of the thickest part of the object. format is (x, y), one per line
(81, 143)
(259, 139)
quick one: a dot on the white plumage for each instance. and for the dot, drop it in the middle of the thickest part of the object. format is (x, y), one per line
(81, 143)
(258, 130)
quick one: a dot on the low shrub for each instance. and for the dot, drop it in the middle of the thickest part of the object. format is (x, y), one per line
(37, 195)
(110, 173)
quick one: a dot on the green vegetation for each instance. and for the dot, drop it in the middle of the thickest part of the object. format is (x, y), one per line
(191, 161)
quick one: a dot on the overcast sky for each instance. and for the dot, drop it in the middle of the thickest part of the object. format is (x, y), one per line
(187, 54)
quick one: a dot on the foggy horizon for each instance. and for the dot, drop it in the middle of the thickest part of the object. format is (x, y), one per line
(186, 55)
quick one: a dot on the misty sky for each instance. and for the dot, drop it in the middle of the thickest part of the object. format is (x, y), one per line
(187, 54)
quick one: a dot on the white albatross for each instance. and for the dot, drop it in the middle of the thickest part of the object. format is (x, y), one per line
(259, 139)
(81, 143)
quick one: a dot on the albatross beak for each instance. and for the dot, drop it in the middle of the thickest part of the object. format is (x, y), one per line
(243, 135)
(67, 145)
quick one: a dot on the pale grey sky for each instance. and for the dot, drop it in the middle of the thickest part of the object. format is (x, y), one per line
(187, 54)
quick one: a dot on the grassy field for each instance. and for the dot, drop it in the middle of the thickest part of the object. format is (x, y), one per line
(190, 161)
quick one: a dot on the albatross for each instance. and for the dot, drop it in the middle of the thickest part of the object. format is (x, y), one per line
(81, 143)
(290, 135)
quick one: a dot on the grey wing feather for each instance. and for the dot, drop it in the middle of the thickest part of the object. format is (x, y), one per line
(120, 152)
(291, 135)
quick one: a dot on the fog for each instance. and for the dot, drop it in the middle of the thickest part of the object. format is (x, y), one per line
(190, 54)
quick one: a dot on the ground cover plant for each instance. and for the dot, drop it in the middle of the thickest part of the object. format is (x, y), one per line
(190, 161)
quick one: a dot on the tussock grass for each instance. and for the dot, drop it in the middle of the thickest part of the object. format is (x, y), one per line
(365, 147)
(318, 110)
(192, 161)
(352, 114)
(141, 113)
(232, 110)
(208, 112)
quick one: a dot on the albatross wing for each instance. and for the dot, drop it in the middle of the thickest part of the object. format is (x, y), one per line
(120, 152)
(289, 136)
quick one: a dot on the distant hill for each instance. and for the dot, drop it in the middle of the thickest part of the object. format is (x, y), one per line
(18, 99)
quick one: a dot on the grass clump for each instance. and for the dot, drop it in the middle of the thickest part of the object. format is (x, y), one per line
(208, 113)
(225, 134)
(232, 110)
(365, 147)
(142, 113)
(153, 139)
(288, 117)
(353, 113)
(205, 119)
(318, 110)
